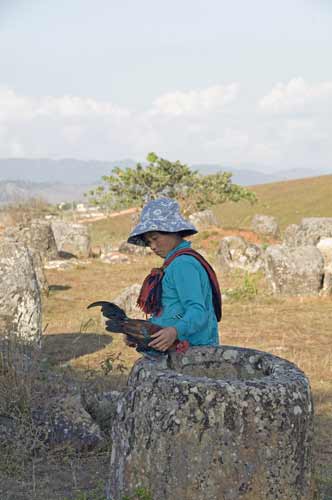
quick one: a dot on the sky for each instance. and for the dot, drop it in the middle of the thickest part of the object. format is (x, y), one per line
(242, 84)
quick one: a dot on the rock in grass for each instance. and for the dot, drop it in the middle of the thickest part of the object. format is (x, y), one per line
(203, 219)
(325, 247)
(115, 258)
(327, 283)
(102, 407)
(265, 225)
(309, 232)
(127, 299)
(294, 270)
(38, 237)
(20, 296)
(236, 253)
(63, 421)
(72, 239)
(130, 249)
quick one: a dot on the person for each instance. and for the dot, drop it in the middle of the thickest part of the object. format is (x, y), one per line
(183, 297)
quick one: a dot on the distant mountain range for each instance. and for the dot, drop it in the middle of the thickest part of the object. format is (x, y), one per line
(18, 191)
(246, 177)
(66, 171)
(68, 179)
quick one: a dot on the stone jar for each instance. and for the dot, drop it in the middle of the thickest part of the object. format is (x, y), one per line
(265, 225)
(294, 270)
(20, 300)
(218, 423)
(72, 239)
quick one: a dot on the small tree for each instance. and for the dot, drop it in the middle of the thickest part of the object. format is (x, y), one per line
(135, 186)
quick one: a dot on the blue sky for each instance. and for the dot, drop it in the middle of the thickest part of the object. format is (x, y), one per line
(237, 83)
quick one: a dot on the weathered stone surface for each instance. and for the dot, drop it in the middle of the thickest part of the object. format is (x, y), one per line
(327, 283)
(115, 258)
(236, 253)
(292, 235)
(325, 247)
(294, 270)
(64, 421)
(102, 407)
(66, 264)
(20, 235)
(265, 225)
(39, 239)
(37, 236)
(72, 239)
(108, 248)
(130, 249)
(127, 299)
(20, 301)
(309, 231)
(203, 219)
(39, 270)
(216, 423)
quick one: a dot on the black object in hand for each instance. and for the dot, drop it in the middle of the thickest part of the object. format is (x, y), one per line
(138, 330)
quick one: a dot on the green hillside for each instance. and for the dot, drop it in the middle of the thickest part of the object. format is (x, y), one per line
(288, 201)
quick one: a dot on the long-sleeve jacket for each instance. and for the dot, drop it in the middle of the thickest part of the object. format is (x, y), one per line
(187, 300)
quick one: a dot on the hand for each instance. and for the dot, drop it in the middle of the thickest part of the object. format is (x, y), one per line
(164, 338)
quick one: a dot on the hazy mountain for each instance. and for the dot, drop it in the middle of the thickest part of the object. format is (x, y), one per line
(18, 191)
(68, 179)
(243, 177)
(71, 171)
(246, 177)
(66, 171)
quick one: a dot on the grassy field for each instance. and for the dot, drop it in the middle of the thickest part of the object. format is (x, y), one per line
(76, 345)
(289, 201)
(297, 329)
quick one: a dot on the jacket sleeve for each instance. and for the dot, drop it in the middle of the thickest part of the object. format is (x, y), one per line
(189, 277)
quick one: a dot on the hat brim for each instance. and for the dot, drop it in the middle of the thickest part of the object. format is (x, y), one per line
(138, 237)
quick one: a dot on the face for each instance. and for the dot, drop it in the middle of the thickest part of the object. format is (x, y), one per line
(162, 243)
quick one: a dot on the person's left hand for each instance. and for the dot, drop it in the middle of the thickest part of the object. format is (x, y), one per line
(164, 338)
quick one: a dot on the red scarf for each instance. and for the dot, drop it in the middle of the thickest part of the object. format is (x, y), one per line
(149, 299)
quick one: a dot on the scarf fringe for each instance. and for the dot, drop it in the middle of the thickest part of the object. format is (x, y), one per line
(149, 299)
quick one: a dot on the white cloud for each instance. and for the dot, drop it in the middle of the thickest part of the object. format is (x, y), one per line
(13, 107)
(72, 133)
(298, 96)
(230, 139)
(69, 106)
(209, 100)
(185, 126)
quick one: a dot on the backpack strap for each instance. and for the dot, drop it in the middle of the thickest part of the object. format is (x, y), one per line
(149, 299)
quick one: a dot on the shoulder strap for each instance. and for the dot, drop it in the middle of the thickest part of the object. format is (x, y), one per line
(216, 294)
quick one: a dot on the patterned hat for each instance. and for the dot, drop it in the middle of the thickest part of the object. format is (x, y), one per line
(162, 214)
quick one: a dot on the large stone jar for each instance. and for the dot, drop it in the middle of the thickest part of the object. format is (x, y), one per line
(20, 300)
(220, 423)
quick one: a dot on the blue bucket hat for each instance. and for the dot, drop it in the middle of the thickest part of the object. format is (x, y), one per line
(163, 215)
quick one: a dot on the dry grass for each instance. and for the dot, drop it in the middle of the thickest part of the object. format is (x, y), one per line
(23, 212)
(110, 230)
(298, 329)
(289, 201)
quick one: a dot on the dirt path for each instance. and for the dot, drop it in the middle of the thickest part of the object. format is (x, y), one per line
(113, 214)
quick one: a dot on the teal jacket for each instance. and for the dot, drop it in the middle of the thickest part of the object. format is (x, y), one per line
(187, 300)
